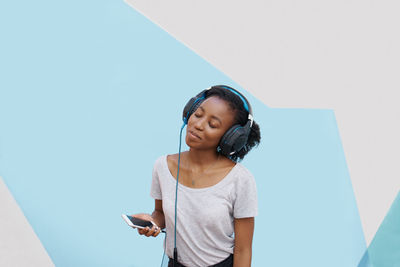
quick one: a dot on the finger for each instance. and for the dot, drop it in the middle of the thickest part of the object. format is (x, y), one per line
(150, 232)
(142, 231)
(158, 230)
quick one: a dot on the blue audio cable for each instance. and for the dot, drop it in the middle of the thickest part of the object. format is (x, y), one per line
(165, 245)
(175, 260)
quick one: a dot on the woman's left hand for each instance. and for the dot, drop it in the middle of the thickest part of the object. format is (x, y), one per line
(153, 231)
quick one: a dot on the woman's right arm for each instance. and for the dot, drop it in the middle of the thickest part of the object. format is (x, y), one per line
(157, 217)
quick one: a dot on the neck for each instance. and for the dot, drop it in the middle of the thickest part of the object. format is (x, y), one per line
(202, 158)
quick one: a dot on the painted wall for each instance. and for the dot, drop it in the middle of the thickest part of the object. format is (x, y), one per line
(340, 55)
(92, 93)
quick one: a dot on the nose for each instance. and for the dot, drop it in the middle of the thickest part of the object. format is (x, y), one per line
(199, 123)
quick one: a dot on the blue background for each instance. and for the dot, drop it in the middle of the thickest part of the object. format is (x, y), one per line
(91, 93)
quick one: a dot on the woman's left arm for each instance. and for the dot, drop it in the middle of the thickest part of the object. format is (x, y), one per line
(244, 229)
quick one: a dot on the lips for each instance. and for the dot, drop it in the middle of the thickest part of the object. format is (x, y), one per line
(195, 135)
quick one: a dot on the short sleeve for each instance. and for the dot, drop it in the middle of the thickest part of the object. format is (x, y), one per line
(245, 203)
(155, 191)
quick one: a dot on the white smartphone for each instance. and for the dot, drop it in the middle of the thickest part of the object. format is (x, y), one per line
(137, 223)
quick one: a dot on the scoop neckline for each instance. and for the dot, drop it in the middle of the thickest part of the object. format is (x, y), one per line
(223, 181)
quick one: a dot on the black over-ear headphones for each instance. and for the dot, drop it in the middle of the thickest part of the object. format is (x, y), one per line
(236, 137)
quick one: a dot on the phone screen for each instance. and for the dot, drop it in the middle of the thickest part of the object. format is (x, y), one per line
(139, 222)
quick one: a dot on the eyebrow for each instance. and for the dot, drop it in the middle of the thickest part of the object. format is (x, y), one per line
(214, 117)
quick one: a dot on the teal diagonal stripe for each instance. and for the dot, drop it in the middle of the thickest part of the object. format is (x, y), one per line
(384, 250)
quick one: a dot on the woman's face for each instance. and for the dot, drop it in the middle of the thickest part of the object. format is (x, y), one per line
(208, 123)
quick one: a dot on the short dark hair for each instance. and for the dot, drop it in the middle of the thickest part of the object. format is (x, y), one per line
(241, 117)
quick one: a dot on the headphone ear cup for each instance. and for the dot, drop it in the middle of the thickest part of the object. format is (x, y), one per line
(187, 108)
(234, 139)
(192, 105)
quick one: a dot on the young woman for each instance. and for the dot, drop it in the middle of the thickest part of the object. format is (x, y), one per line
(217, 198)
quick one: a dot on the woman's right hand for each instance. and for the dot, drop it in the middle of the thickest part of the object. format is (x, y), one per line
(154, 231)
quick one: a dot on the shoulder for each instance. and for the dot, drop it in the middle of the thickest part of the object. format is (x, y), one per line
(172, 160)
(243, 177)
(245, 193)
(242, 171)
(159, 161)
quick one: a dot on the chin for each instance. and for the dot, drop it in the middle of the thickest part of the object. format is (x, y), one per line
(192, 144)
(188, 142)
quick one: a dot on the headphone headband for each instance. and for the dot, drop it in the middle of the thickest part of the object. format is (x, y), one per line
(246, 103)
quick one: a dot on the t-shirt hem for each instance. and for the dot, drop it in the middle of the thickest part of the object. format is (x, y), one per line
(156, 197)
(245, 216)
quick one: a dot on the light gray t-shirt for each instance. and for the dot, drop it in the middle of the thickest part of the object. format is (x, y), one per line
(205, 217)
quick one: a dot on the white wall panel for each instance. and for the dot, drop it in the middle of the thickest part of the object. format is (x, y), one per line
(19, 245)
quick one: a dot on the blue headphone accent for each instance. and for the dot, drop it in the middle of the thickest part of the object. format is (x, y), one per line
(246, 107)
